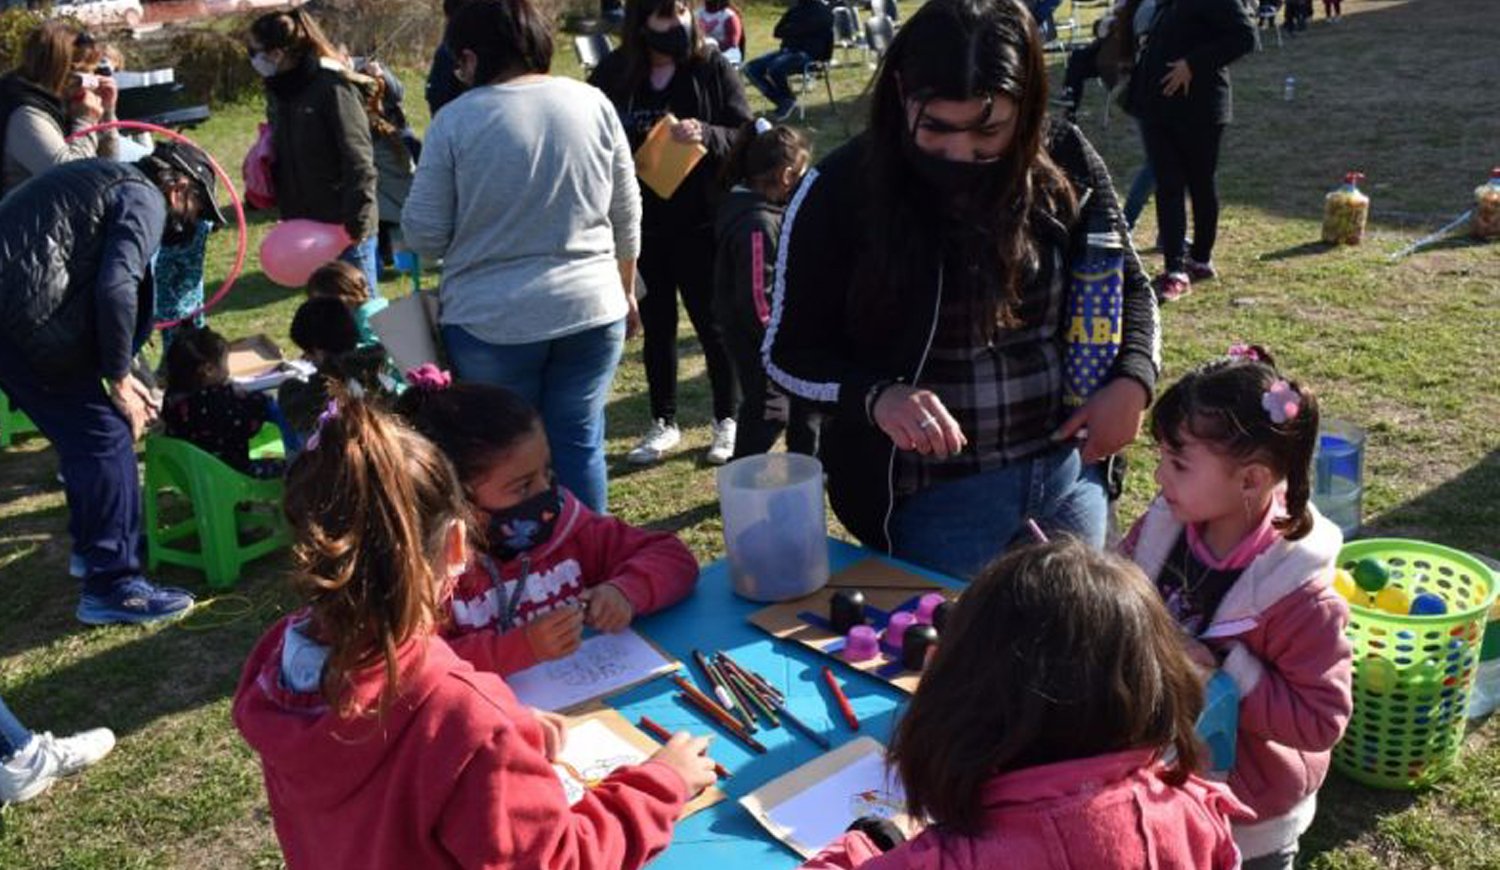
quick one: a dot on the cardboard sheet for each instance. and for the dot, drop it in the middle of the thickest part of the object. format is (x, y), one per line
(600, 741)
(810, 807)
(885, 586)
(407, 329)
(661, 163)
(253, 356)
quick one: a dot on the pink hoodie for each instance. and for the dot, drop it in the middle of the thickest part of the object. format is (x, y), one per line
(1280, 629)
(1107, 811)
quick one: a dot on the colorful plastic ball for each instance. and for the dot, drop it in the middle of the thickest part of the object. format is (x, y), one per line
(1428, 604)
(1371, 574)
(1343, 584)
(1393, 600)
(1376, 675)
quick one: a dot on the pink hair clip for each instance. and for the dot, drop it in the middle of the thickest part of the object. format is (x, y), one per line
(429, 378)
(1240, 350)
(1281, 402)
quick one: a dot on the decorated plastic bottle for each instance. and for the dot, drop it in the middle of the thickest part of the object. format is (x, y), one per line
(1486, 221)
(1094, 312)
(1345, 211)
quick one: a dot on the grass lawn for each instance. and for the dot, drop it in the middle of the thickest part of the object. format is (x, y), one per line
(1407, 349)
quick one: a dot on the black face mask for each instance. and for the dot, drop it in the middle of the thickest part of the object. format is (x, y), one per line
(675, 42)
(961, 183)
(522, 526)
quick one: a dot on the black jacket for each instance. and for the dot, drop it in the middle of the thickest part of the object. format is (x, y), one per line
(746, 232)
(812, 352)
(19, 93)
(325, 160)
(1210, 35)
(808, 28)
(76, 294)
(706, 88)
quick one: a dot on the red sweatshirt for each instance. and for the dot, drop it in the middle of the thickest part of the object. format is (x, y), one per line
(1110, 811)
(653, 569)
(452, 776)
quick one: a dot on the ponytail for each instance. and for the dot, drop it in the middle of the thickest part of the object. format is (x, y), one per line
(371, 505)
(760, 151)
(1244, 408)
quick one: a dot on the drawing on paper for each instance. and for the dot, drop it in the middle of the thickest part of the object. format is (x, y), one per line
(604, 663)
(591, 754)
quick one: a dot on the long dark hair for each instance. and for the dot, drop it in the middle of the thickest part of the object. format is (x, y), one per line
(1221, 403)
(1055, 652)
(294, 31)
(960, 50)
(633, 40)
(197, 359)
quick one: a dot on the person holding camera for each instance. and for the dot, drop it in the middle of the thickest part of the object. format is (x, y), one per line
(72, 322)
(45, 99)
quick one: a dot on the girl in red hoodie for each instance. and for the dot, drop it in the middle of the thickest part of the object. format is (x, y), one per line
(1064, 766)
(380, 747)
(551, 565)
(1245, 564)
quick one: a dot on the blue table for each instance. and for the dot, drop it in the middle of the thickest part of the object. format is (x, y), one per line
(725, 837)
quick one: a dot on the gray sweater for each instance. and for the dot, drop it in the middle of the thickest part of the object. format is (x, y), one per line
(528, 193)
(34, 144)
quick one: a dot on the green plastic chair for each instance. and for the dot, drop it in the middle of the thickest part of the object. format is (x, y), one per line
(12, 422)
(225, 505)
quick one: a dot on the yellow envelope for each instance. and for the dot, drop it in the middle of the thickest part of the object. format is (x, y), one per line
(662, 162)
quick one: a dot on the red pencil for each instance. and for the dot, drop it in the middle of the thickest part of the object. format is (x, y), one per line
(838, 695)
(693, 695)
(664, 735)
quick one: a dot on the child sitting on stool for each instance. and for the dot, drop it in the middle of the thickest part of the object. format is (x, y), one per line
(206, 409)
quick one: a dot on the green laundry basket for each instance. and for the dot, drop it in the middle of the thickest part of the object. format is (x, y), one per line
(1413, 674)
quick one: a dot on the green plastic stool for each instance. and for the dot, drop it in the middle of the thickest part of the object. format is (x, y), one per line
(225, 504)
(12, 422)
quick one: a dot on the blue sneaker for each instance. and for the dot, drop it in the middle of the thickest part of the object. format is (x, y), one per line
(134, 602)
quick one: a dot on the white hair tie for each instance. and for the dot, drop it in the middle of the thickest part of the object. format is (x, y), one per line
(762, 126)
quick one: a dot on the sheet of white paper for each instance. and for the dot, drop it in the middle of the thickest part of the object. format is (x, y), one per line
(819, 815)
(592, 753)
(604, 664)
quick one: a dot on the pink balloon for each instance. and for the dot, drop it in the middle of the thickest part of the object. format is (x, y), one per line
(294, 249)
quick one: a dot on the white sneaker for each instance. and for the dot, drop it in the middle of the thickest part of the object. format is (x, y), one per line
(659, 439)
(46, 759)
(722, 448)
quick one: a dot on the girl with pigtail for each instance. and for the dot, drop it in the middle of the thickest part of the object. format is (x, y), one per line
(760, 174)
(1245, 564)
(380, 746)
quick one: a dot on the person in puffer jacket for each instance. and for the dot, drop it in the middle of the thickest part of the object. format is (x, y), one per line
(1245, 564)
(76, 298)
(550, 565)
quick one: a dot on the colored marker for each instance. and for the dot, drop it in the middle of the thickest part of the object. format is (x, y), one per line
(722, 690)
(1036, 531)
(841, 698)
(760, 683)
(812, 735)
(664, 735)
(693, 695)
(744, 688)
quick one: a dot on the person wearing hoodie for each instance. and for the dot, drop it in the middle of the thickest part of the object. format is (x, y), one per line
(761, 173)
(806, 34)
(1245, 564)
(552, 565)
(1082, 755)
(380, 747)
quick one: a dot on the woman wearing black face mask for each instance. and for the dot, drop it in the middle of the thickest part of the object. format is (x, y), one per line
(921, 298)
(663, 67)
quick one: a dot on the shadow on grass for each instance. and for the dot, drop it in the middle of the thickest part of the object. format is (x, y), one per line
(1451, 513)
(1307, 249)
(685, 518)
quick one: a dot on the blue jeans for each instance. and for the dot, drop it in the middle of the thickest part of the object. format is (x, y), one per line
(567, 380)
(769, 71)
(13, 735)
(366, 255)
(96, 454)
(960, 526)
(1140, 191)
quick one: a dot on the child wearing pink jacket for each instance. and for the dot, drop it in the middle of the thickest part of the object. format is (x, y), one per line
(1245, 564)
(1065, 766)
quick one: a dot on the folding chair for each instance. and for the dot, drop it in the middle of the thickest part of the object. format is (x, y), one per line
(878, 35)
(592, 48)
(846, 35)
(1265, 17)
(815, 69)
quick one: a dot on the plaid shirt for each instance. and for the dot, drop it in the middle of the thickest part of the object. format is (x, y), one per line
(1004, 389)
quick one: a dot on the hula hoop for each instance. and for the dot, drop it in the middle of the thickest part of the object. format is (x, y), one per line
(234, 196)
